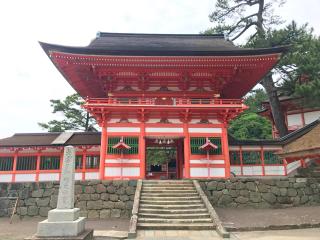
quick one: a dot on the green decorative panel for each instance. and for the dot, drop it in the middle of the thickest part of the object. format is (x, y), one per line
(251, 157)
(196, 142)
(26, 163)
(6, 163)
(92, 162)
(234, 157)
(133, 142)
(78, 162)
(49, 163)
(271, 158)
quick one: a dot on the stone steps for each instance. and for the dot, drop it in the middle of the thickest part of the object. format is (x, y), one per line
(173, 211)
(175, 220)
(170, 202)
(177, 226)
(186, 192)
(146, 197)
(165, 194)
(174, 215)
(160, 182)
(172, 205)
(164, 188)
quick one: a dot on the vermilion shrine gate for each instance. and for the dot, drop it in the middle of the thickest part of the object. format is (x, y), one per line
(168, 92)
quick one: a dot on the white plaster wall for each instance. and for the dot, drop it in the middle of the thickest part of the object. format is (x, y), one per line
(217, 172)
(252, 170)
(274, 170)
(199, 172)
(309, 117)
(163, 130)
(92, 175)
(5, 177)
(131, 172)
(122, 161)
(48, 176)
(236, 170)
(78, 176)
(206, 161)
(294, 120)
(122, 129)
(25, 177)
(112, 171)
(205, 130)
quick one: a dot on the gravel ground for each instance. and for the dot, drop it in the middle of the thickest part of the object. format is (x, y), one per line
(260, 219)
(26, 227)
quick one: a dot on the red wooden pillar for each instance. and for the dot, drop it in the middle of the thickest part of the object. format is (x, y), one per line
(262, 161)
(303, 163)
(142, 150)
(225, 150)
(61, 162)
(38, 165)
(285, 163)
(15, 159)
(103, 150)
(186, 150)
(84, 158)
(241, 161)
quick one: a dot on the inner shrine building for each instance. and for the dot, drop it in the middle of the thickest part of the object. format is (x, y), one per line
(170, 92)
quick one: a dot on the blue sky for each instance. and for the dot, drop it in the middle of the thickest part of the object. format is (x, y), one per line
(28, 78)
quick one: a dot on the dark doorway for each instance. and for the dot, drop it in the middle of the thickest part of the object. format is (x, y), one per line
(164, 158)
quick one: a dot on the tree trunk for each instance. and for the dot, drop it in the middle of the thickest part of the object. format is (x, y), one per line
(87, 122)
(278, 116)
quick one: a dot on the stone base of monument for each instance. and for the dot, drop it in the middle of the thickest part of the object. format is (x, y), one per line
(63, 224)
(87, 234)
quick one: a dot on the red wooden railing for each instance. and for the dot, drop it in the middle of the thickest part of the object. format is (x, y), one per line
(163, 101)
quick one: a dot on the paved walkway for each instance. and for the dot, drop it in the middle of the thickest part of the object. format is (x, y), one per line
(260, 219)
(232, 218)
(300, 234)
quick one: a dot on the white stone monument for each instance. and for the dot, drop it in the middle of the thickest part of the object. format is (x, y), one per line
(64, 221)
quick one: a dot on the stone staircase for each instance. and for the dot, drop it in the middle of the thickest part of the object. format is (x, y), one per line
(172, 204)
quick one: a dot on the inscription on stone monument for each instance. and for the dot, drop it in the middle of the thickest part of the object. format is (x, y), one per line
(66, 189)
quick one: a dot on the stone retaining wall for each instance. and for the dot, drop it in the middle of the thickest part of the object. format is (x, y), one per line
(96, 199)
(262, 193)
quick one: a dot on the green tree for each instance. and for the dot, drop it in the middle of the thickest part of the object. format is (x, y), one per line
(254, 18)
(249, 125)
(75, 117)
(254, 100)
(299, 70)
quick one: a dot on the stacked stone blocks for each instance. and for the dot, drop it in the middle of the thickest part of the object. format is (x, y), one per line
(262, 193)
(96, 199)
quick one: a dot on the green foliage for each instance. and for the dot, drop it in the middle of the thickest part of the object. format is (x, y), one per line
(158, 156)
(254, 100)
(299, 68)
(250, 125)
(75, 118)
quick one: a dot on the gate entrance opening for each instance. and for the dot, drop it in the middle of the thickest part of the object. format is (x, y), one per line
(164, 158)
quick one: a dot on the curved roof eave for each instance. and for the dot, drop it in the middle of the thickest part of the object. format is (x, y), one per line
(47, 47)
